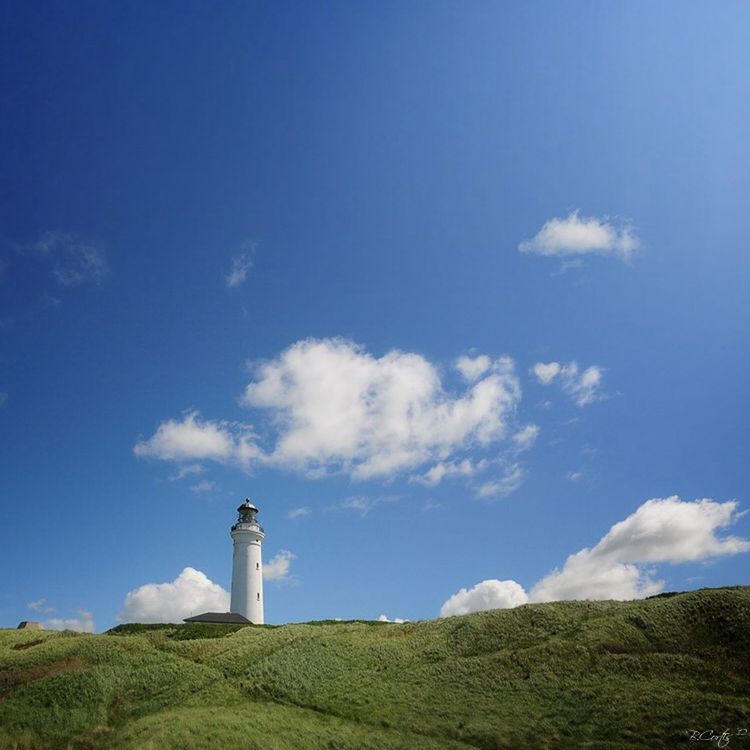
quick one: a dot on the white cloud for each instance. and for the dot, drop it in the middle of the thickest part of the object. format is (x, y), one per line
(187, 470)
(331, 408)
(363, 505)
(546, 373)
(490, 594)
(435, 474)
(473, 367)
(505, 485)
(621, 564)
(587, 577)
(84, 623)
(579, 235)
(338, 408)
(574, 476)
(298, 512)
(195, 439)
(397, 620)
(191, 593)
(278, 567)
(205, 485)
(526, 436)
(672, 530)
(75, 262)
(582, 386)
(40, 605)
(241, 266)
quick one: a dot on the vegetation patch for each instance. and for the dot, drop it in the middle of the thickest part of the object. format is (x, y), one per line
(559, 675)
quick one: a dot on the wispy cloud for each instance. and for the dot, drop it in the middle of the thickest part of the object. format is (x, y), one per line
(74, 261)
(583, 386)
(526, 436)
(206, 485)
(240, 267)
(447, 469)
(188, 470)
(505, 485)
(40, 605)
(298, 512)
(580, 235)
(364, 505)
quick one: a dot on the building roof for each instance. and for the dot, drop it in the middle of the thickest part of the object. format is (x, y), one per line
(231, 618)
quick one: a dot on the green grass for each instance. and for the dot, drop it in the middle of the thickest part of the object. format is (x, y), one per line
(568, 674)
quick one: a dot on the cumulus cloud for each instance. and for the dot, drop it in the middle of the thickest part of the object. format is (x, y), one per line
(579, 235)
(240, 268)
(278, 568)
(191, 593)
(583, 386)
(84, 623)
(490, 594)
(329, 407)
(621, 564)
(192, 438)
(397, 620)
(339, 408)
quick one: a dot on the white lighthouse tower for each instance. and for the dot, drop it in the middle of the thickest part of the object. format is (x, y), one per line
(247, 566)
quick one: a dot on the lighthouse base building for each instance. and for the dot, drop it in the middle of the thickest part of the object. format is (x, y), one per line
(246, 605)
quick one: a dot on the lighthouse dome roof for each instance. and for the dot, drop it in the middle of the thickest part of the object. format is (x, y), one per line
(247, 505)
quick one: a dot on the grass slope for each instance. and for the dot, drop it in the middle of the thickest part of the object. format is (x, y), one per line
(568, 674)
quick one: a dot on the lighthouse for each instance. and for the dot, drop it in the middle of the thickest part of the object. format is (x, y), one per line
(247, 566)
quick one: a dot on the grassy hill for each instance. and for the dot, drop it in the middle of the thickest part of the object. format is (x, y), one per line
(568, 674)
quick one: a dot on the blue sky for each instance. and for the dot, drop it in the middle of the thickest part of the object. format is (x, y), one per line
(554, 192)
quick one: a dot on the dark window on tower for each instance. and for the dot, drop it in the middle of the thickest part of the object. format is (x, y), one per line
(258, 597)
(257, 566)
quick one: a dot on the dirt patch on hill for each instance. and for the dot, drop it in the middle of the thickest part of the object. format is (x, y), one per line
(28, 644)
(9, 681)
